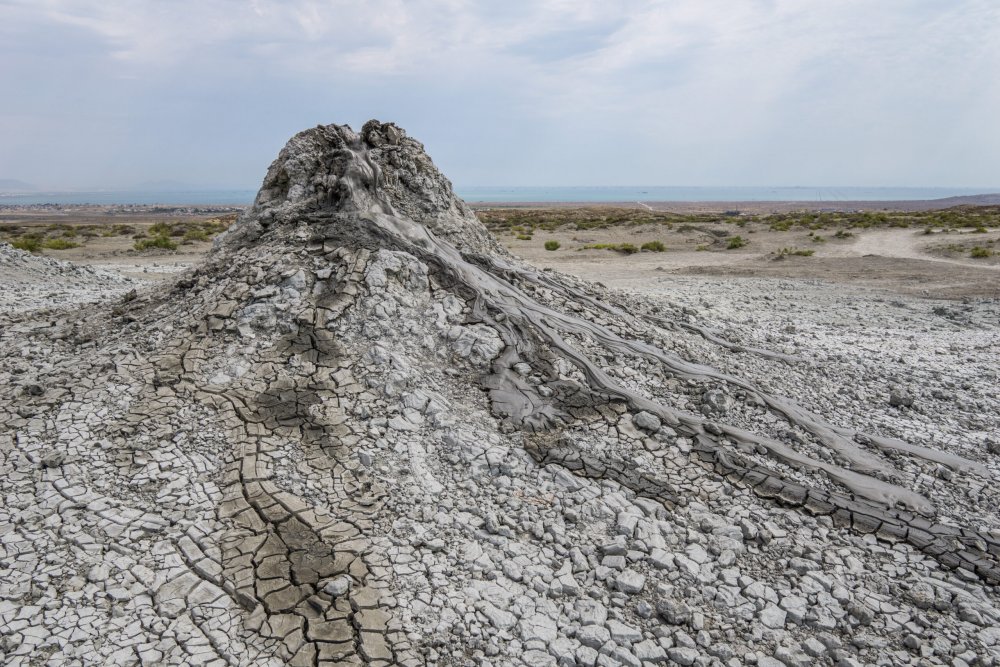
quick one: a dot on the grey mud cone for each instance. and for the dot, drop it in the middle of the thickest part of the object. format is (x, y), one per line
(362, 432)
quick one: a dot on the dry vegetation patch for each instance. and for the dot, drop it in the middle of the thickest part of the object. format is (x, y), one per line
(140, 233)
(526, 221)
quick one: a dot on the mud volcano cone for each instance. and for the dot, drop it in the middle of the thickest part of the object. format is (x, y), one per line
(361, 432)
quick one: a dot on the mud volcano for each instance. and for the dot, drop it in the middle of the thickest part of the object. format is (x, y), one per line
(362, 432)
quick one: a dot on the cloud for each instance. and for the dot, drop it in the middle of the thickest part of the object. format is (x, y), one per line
(551, 91)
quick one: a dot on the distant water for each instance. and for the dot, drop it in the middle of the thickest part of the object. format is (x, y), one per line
(111, 197)
(708, 193)
(488, 194)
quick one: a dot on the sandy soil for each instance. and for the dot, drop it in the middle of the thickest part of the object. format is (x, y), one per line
(116, 253)
(898, 260)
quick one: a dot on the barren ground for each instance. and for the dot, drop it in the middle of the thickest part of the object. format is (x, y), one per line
(112, 495)
(902, 260)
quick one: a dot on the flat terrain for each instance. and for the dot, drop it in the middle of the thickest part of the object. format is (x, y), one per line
(922, 253)
(106, 236)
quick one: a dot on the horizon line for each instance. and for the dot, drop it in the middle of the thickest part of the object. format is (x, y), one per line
(994, 189)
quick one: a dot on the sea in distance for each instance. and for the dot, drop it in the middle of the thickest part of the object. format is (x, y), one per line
(510, 195)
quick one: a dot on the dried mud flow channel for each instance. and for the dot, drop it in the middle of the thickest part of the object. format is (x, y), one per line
(362, 433)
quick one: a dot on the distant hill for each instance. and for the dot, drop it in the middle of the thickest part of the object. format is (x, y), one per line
(970, 200)
(14, 185)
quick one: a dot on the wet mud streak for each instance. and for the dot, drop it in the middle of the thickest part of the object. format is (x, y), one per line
(513, 313)
(281, 552)
(838, 438)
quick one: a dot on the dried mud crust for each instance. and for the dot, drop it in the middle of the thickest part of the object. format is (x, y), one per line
(30, 281)
(344, 439)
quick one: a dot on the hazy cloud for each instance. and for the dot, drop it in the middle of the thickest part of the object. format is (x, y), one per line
(846, 92)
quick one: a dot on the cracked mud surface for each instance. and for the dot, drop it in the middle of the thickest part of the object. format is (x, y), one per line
(361, 433)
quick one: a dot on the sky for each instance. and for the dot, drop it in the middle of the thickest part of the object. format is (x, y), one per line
(118, 93)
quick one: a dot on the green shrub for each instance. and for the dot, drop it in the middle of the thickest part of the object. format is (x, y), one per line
(799, 252)
(161, 229)
(29, 243)
(552, 245)
(844, 234)
(980, 253)
(736, 242)
(654, 246)
(59, 244)
(196, 235)
(159, 241)
(979, 230)
(626, 248)
(523, 237)
(214, 226)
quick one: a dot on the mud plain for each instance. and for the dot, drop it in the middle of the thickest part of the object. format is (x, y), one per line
(896, 331)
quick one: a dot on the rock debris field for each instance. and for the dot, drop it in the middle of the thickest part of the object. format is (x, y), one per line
(360, 432)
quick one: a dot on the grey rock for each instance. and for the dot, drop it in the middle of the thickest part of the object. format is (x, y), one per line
(337, 587)
(52, 458)
(773, 616)
(716, 401)
(814, 647)
(792, 658)
(592, 612)
(683, 656)
(594, 636)
(674, 612)
(98, 574)
(921, 595)
(649, 651)
(900, 398)
(660, 559)
(630, 581)
(538, 658)
(623, 634)
(499, 618)
(646, 421)
(586, 656)
(795, 606)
